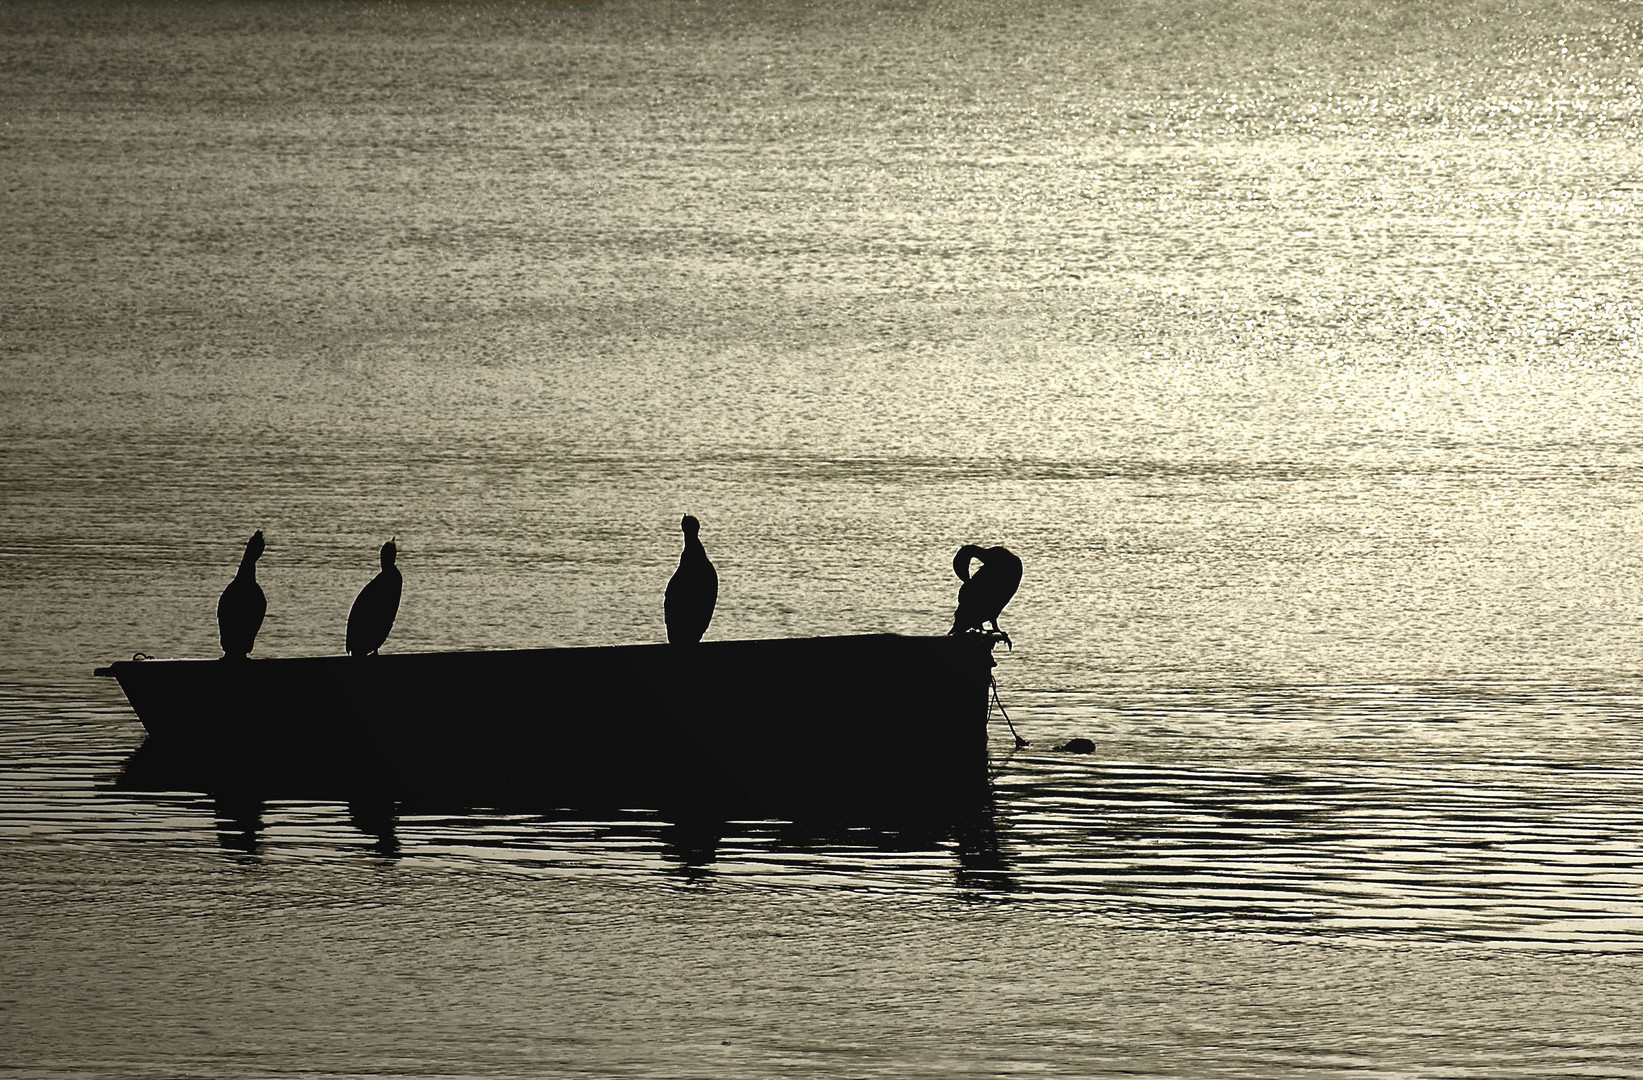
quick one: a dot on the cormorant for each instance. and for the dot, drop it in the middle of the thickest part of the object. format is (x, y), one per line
(242, 605)
(692, 591)
(375, 607)
(982, 597)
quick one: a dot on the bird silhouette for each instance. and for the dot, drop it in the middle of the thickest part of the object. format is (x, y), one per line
(242, 605)
(375, 607)
(981, 598)
(692, 591)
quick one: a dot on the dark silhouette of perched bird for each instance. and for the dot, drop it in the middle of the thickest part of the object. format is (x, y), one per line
(982, 597)
(692, 591)
(242, 605)
(375, 607)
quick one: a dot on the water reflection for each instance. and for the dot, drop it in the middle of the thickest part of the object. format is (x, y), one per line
(983, 865)
(691, 841)
(691, 846)
(239, 823)
(1313, 822)
(376, 817)
(155, 766)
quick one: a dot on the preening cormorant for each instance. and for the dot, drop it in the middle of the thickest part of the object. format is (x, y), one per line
(982, 597)
(692, 591)
(242, 605)
(375, 607)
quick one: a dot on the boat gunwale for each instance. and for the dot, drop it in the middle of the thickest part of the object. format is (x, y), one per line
(735, 644)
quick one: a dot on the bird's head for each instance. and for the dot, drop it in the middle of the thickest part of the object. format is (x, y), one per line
(961, 561)
(691, 526)
(254, 546)
(389, 553)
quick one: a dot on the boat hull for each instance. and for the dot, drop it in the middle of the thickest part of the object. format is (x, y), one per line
(842, 727)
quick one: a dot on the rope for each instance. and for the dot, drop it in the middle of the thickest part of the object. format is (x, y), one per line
(1019, 741)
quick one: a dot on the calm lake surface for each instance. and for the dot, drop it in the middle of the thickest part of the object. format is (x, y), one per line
(1295, 348)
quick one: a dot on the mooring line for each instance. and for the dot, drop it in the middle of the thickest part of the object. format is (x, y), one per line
(1019, 741)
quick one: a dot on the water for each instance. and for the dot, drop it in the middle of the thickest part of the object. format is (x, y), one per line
(1293, 346)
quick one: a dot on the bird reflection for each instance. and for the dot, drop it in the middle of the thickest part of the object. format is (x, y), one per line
(241, 607)
(983, 864)
(982, 597)
(376, 818)
(692, 845)
(372, 615)
(239, 821)
(687, 607)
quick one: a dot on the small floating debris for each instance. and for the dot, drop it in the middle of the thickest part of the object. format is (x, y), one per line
(1076, 746)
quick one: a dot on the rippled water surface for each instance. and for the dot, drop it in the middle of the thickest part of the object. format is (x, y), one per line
(1293, 346)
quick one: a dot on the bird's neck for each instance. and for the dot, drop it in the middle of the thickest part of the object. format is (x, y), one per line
(248, 569)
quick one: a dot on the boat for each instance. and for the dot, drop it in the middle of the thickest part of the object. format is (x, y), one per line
(862, 727)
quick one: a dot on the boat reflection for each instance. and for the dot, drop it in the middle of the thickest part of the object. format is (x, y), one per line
(695, 840)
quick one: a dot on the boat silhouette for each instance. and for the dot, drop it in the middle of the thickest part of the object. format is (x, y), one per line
(865, 727)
